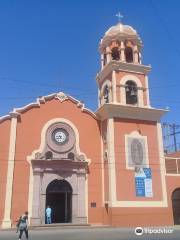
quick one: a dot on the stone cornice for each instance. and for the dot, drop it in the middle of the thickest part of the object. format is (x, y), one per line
(122, 66)
(109, 110)
(40, 165)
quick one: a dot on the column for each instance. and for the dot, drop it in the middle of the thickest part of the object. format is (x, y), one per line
(36, 206)
(108, 54)
(99, 98)
(111, 161)
(136, 57)
(122, 48)
(6, 223)
(140, 58)
(162, 163)
(102, 61)
(147, 91)
(82, 218)
(114, 99)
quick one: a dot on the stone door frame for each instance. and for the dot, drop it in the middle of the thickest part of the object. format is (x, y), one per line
(45, 173)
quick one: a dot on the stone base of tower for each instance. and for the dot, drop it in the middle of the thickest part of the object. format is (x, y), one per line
(134, 217)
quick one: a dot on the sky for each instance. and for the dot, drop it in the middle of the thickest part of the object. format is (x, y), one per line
(52, 45)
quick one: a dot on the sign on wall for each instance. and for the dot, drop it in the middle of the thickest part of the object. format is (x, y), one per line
(143, 182)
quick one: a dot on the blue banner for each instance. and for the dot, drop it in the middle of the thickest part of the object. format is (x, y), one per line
(143, 182)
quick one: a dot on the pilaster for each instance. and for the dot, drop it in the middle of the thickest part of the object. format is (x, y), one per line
(108, 54)
(114, 98)
(36, 208)
(6, 223)
(122, 48)
(147, 91)
(135, 50)
(111, 161)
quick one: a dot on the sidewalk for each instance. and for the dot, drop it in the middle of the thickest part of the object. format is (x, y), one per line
(83, 226)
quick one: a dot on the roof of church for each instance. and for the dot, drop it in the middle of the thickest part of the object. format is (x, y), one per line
(60, 96)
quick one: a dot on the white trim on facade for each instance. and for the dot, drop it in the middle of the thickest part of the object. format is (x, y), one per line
(121, 66)
(111, 161)
(60, 96)
(162, 162)
(102, 164)
(6, 223)
(114, 97)
(147, 91)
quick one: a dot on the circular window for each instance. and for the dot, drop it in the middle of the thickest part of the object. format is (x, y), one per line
(60, 136)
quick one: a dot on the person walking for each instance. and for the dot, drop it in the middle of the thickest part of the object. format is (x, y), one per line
(48, 215)
(23, 225)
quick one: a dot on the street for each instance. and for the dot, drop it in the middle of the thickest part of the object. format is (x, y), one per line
(89, 234)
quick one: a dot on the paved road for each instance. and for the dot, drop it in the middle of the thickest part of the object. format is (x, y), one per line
(90, 234)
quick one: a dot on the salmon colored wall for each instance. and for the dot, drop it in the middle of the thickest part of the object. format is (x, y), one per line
(121, 74)
(28, 139)
(145, 217)
(4, 150)
(126, 177)
(137, 217)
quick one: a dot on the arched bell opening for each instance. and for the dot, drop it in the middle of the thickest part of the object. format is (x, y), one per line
(131, 92)
(59, 198)
(115, 53)
(129, 54)
(106, 94)
(176, 206)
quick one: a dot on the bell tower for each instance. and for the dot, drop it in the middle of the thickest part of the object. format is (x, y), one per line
(130, 127)
(123, 78)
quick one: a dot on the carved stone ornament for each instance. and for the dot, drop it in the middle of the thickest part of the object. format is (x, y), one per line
(37, 155)
(61, 96)
(81, 158)
(60, 178)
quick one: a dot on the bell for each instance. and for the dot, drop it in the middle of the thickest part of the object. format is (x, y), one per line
(133, 92)
(127, 89)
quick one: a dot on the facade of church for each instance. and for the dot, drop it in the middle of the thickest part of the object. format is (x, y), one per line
(105, 167)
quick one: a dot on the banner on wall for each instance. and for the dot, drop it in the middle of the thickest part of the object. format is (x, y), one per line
(143, 182)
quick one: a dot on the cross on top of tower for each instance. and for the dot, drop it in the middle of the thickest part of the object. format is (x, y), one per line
(120, 17)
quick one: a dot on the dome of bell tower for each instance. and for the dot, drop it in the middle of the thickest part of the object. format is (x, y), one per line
(120, 32)
(120, 43)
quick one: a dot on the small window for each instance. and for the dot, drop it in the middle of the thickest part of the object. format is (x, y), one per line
(71, 156)
(93, 204)
(115, 53)
(131, 92)
(106, 94)
(129, 54)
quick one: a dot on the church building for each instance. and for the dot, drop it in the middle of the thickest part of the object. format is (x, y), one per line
(105, 167)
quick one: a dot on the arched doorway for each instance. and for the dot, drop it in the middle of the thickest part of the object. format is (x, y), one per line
(59, 198)
(176, 206)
